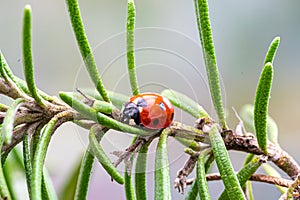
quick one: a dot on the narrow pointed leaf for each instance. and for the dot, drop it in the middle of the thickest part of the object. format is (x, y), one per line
(272, 50)
(261, 105)
(9, 170)
(225, 168)
(249, 190)
(4, 190)
(248, 186)
(248, 159)
(193, 192)
(130, 26)
(244, 174)
(162, 187)
(84, 46)
(247, 115)
(206, 39)
(103, 107)
(84, 176)
(103, 159)
(129, 189)
(185, 103)
(140, 173)
(27, 162)
(39, 158)
(189, 143)
(17, 81)
(48, 191)
(201, 176)
(8, 122)
(3, 64)
(27, 56)
(35, 138)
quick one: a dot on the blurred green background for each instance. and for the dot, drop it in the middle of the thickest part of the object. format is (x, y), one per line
(168, 56)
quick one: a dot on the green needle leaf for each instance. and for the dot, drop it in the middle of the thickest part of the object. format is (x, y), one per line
(9, 169)
(272, 50)
(201, 176)
(4, 190)
(244, 174)
(247, 115)
(162, 188)
(6, 72)
(8, 122)
(103, 159)
(189, 143)
(226, 170)
(261, 105)
(103, 107)
(85, 171)
(248, 159)
(39, 158)
(249, 190)
(3, 64)
(27, 162)
(84, 46)
(48, 191)
(185, 103)
(84, 175)
(27, 56)
(193, 192)
(129, 190)
(130, 47)
(206, 39)
(140, 173)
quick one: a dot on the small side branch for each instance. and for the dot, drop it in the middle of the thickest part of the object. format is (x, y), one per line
(255, 177)
(180, 182)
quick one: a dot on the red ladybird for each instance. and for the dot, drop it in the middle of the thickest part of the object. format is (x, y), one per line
(150, 110)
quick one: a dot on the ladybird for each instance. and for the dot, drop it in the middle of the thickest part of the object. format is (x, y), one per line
(149, 110)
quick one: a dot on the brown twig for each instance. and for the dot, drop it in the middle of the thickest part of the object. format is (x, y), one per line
(180, 182)
(248, 143)
(271, 179)
(135, 147)
(255, 177)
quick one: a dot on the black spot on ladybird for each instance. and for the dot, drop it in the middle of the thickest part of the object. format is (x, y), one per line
(155, 121)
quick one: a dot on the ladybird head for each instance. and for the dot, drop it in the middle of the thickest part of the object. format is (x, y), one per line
(130, 111)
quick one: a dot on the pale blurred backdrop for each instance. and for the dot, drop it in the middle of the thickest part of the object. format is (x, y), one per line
(168, 56)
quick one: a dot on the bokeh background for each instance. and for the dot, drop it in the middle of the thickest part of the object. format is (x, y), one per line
(168, 56)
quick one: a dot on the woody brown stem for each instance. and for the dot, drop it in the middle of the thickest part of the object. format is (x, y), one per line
(248, 143)
(255, 177)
